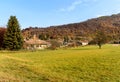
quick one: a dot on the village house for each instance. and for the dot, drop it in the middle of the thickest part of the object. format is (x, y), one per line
(36, 43)
(84, 43)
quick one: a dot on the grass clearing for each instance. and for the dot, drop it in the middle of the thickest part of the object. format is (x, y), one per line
(82, 64)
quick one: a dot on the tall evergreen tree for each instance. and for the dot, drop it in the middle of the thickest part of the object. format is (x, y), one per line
(13, 39)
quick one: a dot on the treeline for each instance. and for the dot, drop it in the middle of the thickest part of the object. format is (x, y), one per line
(78, 31)
(92, 30)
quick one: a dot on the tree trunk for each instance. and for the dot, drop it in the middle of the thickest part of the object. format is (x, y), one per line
(99, 46)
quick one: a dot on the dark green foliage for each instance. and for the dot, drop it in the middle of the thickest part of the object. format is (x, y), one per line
(44, 37)
(100, 38)
(13, 39)
(66, 40)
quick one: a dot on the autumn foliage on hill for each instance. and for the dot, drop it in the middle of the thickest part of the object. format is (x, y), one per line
(2, 32)
(80, 31)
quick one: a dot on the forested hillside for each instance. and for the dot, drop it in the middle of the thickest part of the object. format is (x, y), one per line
(82, 30)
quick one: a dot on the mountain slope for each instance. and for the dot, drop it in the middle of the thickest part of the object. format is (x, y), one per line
(88, 28)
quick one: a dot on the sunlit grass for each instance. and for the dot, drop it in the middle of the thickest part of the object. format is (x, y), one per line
(80, 64)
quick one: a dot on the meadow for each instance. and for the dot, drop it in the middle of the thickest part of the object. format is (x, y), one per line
(81, 64)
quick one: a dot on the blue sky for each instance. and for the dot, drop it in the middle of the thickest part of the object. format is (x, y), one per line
(44, 13)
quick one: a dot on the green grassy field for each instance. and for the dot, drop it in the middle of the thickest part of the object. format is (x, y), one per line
(83, 64)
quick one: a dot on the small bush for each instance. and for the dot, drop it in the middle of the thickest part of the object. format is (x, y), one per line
(54, 45)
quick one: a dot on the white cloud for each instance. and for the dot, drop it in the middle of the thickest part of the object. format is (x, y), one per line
(73, 6)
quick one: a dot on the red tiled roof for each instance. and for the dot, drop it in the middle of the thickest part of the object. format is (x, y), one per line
(32, 41)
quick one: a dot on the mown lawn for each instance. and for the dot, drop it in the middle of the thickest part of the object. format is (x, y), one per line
(82, 64)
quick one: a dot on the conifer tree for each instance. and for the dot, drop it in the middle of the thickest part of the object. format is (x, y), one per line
(13, 39)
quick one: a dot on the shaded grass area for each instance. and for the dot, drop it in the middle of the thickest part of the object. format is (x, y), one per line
(81, 64)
